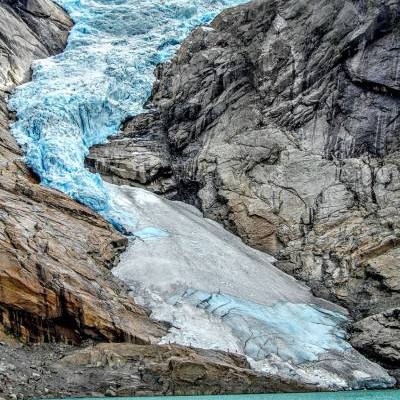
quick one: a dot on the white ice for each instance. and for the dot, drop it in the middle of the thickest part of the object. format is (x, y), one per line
(218, 293)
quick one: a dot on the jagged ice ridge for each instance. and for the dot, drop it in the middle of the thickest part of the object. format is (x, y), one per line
(80, 97)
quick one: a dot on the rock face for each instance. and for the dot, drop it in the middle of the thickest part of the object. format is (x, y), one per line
(129, 370)
(55, 282)
(139, 157)
(173, 370)
(281, 120)
(55, 254)
(378, 336)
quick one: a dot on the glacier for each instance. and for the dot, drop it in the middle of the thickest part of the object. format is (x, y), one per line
(81, 96)
(213, 290)
(216, 292)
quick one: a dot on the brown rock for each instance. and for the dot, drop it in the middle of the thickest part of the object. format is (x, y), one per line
(170, 370)
(54, 277)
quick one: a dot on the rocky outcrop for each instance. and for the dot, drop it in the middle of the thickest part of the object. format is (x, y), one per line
(55, 281)
(55, 254)
(281, 120)
(378, 336)
(130, 370)
(140, 157)
(175, 370)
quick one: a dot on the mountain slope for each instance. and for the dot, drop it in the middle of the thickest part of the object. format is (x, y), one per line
(55, 285)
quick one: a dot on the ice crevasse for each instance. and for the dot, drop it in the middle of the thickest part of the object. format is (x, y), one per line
(215, 291)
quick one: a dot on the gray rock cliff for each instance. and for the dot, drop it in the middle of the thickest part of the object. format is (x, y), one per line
(55, 279)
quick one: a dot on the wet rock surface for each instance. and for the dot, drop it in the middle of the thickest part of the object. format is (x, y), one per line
(119, 369)
(280, 120)
(55, 258)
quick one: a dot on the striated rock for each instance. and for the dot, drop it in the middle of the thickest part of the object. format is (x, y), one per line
(141, 157)
(133, 370)
(281, 120)
(55, 254)
(379, 337)
(54, 278)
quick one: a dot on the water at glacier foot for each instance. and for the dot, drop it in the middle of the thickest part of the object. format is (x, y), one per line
(360, 395)
(80, 97)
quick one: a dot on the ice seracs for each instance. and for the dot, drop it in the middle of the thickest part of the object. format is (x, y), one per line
(80, 97)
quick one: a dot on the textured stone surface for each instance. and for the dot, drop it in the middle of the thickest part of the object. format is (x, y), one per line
(174, 370)
(281, 120)
(54, 276)
(379, 337)
(140, 157)
(52, 371)
(55, 254)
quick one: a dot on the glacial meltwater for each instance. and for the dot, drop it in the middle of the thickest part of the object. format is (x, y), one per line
(360, 395)
(215, 291)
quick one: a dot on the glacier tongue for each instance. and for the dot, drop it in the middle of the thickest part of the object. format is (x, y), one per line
(216, 292)
(80, 97)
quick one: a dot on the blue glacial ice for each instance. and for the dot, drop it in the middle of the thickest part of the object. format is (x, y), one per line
(293, 331)
(80, 97)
